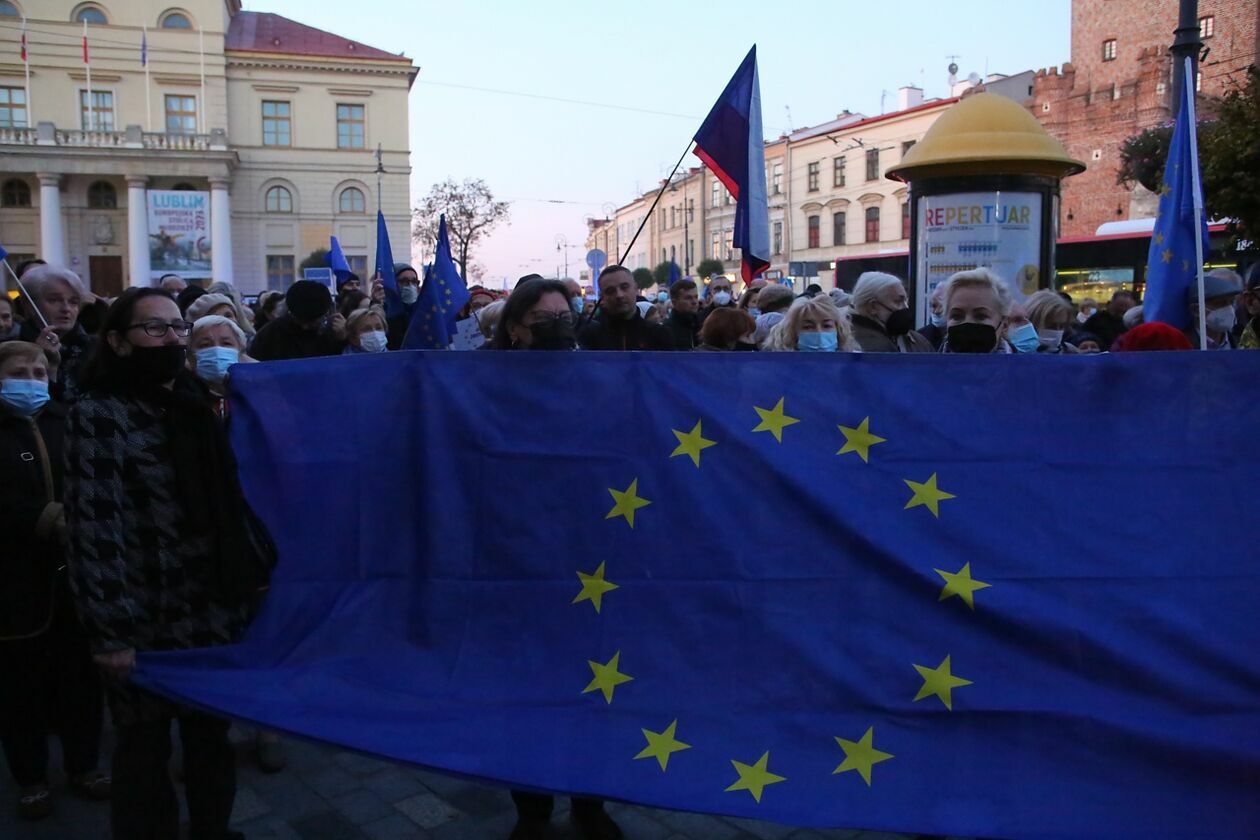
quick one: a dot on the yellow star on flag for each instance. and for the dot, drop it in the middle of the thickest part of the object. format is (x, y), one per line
(661, 745)
(774, 420)
(860, 440)
(1165, 190)
(691, 443)
(940, 682)
(861, 756)
(627, 502)
(594, 587)
(1166, 255)
(959, 583)
(928, 495)
(754, 778)
(607, 677)
(1159, 239)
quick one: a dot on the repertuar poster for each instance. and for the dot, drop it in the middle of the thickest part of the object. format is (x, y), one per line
(995, 230)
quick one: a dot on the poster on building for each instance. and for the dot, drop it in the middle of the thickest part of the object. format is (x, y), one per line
(179, 233)
(997, 230)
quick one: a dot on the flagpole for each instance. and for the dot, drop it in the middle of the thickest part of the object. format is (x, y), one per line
(201, 111)
(148, 98)
(87, 60)
(1197, 195)
(26, 64)
(657, 201)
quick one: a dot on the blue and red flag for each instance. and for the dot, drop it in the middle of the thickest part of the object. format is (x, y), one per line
(731, 144)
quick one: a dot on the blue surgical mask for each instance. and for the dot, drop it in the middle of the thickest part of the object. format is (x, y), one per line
(938, 321)
(754, 311)
(1024, 338)
(578, 303)
(24, 396)
(662, 296)
(409, 294)
(213, 362)
(374, 341)
(818, 342)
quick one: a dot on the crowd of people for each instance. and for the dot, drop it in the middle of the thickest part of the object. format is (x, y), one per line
(129, 531)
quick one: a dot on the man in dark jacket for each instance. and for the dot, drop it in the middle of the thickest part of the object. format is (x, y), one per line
(305, 330)
(684, 319)
(48, 682)
(409, 292)
(1108, 324)
(620, 326)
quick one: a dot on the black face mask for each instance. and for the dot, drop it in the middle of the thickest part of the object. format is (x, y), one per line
(155, 365)
(555, 334)
(971, 338)
(745, 345)
(899, 322)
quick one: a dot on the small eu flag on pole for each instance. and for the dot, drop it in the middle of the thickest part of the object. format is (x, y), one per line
(444, 294)
(1175, 260)
(385, 268)
(337, 261)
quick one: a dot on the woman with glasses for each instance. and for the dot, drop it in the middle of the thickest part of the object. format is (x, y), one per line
(156, 529)
(537, 316)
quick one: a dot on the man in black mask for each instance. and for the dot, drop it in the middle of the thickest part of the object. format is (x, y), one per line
(308, 328)
(882, 321)
(620, 326)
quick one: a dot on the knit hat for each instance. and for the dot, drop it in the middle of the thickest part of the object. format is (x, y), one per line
(400, 267)
(307, 300)
(1155, 335)
(187, 295)
(202, 305)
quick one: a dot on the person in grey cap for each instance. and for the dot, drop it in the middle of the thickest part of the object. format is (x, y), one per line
(308, 328)
(1220, 287)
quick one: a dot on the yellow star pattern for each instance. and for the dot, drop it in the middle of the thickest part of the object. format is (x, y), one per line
(691, 443)
(1166, 255)
(1159, 239)
(661, 745)
(627, 502)
(1165, 190)
(755, 778)
(774, 420)
(928, 495)
(959, 583)
(940, 682)
(607, 677)
(860, 440)
(594, 587)
(861, 756)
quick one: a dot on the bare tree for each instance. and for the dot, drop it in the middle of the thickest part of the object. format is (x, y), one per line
(471, 213)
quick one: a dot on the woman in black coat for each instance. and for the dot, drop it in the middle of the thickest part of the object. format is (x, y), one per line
(47, 680)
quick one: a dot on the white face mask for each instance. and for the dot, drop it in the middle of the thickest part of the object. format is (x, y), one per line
(722, 298)
(409, 294)
(373, 341)
(1221, 320)
(1050, 338)
(938, 321)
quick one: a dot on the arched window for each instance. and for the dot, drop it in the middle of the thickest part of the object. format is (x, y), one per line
(102, 195)
(175, 20)
(185, 186)
(15, 193)
(872, 224)
(8, 9)
(92, 14)
(351, 201)
(279, 200)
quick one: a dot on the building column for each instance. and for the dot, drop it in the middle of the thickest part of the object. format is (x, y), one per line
(138, 231)
(220, 230)
(52, 230)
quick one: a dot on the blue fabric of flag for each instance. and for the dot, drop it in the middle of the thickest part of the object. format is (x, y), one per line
(337, 261)
(144, 49)
(731, 143)
(778, 551)
(385, 268)
(1172, 264)
(441, 297)
(674, 273)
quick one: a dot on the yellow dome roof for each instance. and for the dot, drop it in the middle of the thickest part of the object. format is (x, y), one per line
(986, 134)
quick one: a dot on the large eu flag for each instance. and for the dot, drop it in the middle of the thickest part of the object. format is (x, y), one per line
(1173, 262)
(442, 296)
(869, 591)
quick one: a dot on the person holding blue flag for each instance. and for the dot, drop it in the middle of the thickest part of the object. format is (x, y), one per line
(400, 304)
(444, 294)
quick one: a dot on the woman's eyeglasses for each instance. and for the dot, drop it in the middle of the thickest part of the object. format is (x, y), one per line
(158, 329)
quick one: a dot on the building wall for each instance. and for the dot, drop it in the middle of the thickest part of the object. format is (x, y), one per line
(1094, 105)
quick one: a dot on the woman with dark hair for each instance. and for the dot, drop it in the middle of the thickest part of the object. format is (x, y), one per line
(726, 329)
(352, 300)
(537, 316)
(159, 554)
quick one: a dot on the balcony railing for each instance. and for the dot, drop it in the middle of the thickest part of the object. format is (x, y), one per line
(133, 137)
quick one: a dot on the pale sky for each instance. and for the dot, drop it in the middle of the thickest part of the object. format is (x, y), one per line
(662, 63)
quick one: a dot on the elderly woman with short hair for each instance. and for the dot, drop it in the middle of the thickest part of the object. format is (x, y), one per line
(882, 320)
(1053, 317)
(216, 344)
(366, 332)
(976, 305)
(58, 294)
(244, 318)
(813, 325)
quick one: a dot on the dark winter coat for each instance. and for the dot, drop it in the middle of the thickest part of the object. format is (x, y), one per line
(625, 334)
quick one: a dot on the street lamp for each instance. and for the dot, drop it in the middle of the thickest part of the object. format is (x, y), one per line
(562, 244)
(609, 209)
(686, 229)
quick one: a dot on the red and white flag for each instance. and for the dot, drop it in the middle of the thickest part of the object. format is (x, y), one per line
(86, 60)
(23, 40)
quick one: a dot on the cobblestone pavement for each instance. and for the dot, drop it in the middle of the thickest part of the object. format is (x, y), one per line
(328, 794)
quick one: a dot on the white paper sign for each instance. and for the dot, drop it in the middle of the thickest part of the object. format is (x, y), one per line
(467, 335)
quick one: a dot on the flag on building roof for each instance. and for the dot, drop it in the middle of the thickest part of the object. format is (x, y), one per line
(144, 47)
(1173, 262)
(24, 39)
(731, 144)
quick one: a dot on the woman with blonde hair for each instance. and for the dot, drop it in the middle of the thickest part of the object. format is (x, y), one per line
(977, 306)
(812, 325)
(1052, 316)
